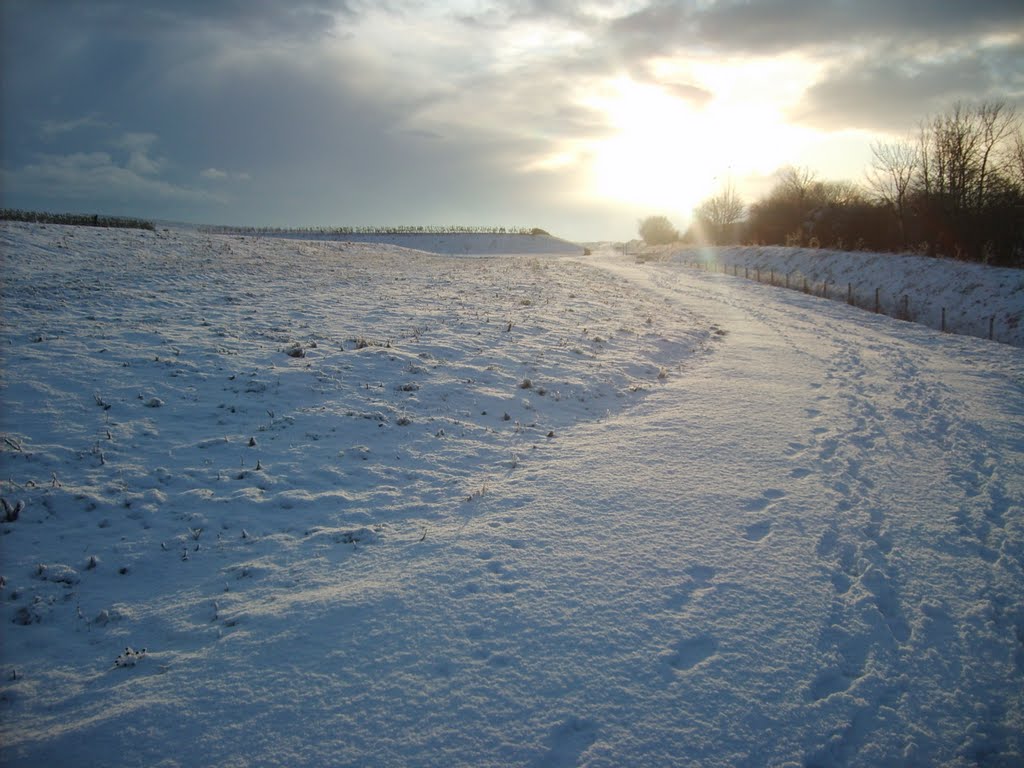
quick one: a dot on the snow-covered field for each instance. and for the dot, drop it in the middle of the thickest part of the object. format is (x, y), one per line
(364, 505)
(458, 243)
(977, 299)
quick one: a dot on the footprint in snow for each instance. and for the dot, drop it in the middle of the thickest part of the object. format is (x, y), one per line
(758, 531)
(691, 652)
(795, 448)
(702, 573)
(767, 497)
(698, 584)
(829, 682)
(567, 743)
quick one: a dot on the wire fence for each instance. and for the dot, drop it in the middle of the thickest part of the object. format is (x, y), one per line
(874, 299)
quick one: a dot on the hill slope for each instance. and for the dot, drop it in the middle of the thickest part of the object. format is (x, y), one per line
(975, 297)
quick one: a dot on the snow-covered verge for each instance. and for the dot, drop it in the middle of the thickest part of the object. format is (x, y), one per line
(305, 503)
(454, 244)
(976, 298)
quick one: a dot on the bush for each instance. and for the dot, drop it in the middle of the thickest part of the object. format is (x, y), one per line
(658, 230)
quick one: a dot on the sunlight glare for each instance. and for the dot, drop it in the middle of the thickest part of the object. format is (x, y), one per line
(668, 154)
(650, 158)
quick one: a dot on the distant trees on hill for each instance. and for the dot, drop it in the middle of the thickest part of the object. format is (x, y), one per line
(78, 219)
(955, 189)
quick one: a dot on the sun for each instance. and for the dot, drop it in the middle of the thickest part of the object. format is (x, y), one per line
(666, 154)
(653, 157)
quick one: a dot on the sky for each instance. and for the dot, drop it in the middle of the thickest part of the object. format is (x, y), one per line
(577, 117)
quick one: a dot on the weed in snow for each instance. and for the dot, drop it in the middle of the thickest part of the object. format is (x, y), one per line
(130, 657)
(11, 513)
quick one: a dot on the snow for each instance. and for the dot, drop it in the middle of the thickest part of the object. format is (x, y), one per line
(503, 510)
(452, 244)
(976, 298)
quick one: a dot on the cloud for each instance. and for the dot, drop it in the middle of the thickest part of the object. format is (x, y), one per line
(95, 176)
(894, 94)
(52, 129)
(268, 19)
(774, 26)
(138, 145)
(347, 110)
(687, 92)
(216, 174)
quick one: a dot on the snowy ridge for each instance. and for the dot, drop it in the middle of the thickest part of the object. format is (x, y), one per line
(454, 244)
(311, 503)
(972, 294)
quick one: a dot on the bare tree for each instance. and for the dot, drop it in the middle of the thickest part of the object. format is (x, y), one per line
(996, 123)
(823, 194)
(1015, 160)
(889, 178)
(961, 188)
(717, 217)
(795, 184)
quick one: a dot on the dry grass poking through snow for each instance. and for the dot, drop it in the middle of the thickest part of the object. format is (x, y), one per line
(186, 416)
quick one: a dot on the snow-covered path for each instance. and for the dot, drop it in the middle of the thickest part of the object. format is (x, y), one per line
(803, 546)
(845, 492)
(806, 549)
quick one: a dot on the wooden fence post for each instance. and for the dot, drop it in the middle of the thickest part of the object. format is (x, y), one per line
(943, 319)
(992, 328)
(906, 306)
(877, 305)
(849, 293)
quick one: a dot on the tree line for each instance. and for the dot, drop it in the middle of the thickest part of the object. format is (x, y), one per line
(954, 189)
(76, 219)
